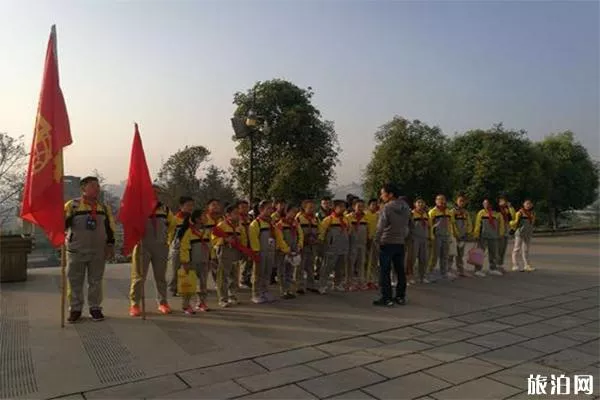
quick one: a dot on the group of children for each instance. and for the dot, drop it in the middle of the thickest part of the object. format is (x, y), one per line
(315, 248)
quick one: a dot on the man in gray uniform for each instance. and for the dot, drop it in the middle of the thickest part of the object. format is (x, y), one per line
(89, 243)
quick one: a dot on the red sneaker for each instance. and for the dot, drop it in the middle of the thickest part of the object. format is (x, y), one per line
(134, 311)
(202, 307)
(189, 310)
(164, 309)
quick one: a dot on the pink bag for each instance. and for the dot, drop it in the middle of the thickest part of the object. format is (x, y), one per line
(476, 256)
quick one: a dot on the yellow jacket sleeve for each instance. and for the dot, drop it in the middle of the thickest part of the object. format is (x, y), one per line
(300, 236)
(254, 233)
(370, 225)
(109, 225)
(469, 224)
(69, 209)
(430, 221)
(184, 247)
(281, 244)
(512, 212)
(243, 237)
(501, 228)
(515, 221)
(453, 231)
(477, 229)
(323, 228)
(172, 226)
(216, 240)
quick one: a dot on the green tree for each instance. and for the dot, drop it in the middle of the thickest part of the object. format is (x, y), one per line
(571, 176)
(295, 158)
(496, 161)
(414, 156)
(185, 174)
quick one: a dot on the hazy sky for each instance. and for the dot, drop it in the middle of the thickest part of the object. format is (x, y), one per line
(173, 66)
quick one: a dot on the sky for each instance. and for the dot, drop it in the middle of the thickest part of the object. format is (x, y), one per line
(173, 67)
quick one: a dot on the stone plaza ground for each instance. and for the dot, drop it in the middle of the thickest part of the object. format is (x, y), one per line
(469, 339)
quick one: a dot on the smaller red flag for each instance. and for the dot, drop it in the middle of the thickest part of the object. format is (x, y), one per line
(139, 200)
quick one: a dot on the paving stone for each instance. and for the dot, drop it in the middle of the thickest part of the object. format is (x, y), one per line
(549, 344)
(77, 396)
(482, 388)
(476, 317)
(454, 351)
(397, 335)
(221, 373)
(404, 365)
(349, 345)
(398, 349)
(517, 375)
(592, 292)
(582, 333)
(292, 392)
(535, 330)
(576, 305)
(344, 361)
(591, 314)
(463, 370)
(407, 387)
(355, 395)
(592, 348)
(484, 328)
(566, 321)
(340, 382)
(509, 310)
(497, 339)
(533, 304)
(510, 356)
(446, 337)
(278, 377)
(568, 360)
(549, 312)
(221, 390)
(152, 387)
(520, 319)
(440, 325)
(293, 357)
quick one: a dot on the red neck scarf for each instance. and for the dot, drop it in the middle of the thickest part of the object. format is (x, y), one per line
(441, 208)
(359, 216)
(195, 231)
(267, 220)
(310, 218)
(505, 211)
(182, 215)
(341, 219)
(491, 217)
(93, 205)
(423, 216)
(528, 214)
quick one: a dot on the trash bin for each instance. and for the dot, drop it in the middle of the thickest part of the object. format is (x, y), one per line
(13, 257)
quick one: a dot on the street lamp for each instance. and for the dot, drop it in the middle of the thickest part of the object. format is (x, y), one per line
(246, 128)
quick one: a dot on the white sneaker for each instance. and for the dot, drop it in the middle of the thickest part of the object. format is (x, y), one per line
(425, 281)
(480, 274)
(223, 304)
(495, 272)
(340, 288)
(323, 291)
(259, 300)
(451, 276)
(515, 268)
(529, 268)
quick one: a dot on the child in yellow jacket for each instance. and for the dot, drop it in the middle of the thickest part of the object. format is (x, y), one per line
(229, 237)
(442, 222)
(523, 225)
(290, 240)
(462, 230)
(334, 233)
(194, 255)
(263, 243)
(421, 234)
(359, 238)
(305, 276)
(372, 270)
(489, 228)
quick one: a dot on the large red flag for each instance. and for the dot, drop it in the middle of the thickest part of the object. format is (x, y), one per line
(43, 202)
(139, 200)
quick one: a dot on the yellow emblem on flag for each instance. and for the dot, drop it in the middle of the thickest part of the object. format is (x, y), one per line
(42, 149)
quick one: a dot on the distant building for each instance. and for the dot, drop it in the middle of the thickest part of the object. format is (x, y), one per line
(72, 187)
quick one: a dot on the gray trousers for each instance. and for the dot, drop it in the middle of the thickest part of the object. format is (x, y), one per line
(522, 245)
(173, 267)
(157, 255)
(335, 263)
(420, 254)
(459, 258)
(441, 249)
(491, 245)
(261, 273)
(358, 257)
(305, 274)
(78, 265)
(285, 276)
(227, 273)
(502, 246)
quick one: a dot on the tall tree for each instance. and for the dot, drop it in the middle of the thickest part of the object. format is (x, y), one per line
(571, 176)
(13, 161)
(494, 162)
(411, 154)
(296, 156)
(185, 174)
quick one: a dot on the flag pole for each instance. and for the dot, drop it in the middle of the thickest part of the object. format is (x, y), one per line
(63, 284)
(141, 272)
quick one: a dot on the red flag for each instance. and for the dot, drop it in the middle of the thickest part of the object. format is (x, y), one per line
(139, 200)
(43, 202)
